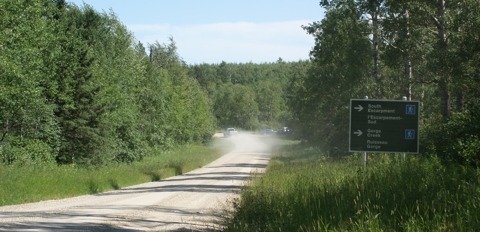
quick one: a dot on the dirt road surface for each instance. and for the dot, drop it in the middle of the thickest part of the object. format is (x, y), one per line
(196, 201)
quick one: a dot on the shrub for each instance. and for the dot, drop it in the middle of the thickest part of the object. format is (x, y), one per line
(25, 151)
(457, 140)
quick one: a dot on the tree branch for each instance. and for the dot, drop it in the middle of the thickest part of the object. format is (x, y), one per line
(390, 44)
(434, 81)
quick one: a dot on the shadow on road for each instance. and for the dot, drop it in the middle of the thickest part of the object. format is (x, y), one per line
(63, 222)
(139, 206)
(242, 165)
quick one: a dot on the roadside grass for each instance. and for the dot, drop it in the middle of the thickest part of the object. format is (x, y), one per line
(304, 190)
(33, 183)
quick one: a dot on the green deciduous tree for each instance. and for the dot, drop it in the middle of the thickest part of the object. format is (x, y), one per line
(29, 130)
(421, 49)
(341, 69)
(76, 87)
(270, 102)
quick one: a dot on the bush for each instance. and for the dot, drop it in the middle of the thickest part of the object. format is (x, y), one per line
(25, 151)
(456, 141)
(302, 191)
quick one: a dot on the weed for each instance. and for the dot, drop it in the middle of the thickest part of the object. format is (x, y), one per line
(114, 183)
(93, 186)
(37, 182)
(155, 176)
(304, 190)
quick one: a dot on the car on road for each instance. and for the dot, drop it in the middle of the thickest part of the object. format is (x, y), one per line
(283, 130)
(267, 132)
(230, 132)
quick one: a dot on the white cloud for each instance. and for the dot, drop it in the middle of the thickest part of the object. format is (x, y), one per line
(238, 42)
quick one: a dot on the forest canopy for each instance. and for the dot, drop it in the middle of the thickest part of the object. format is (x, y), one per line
(77, 87)
(386, 49)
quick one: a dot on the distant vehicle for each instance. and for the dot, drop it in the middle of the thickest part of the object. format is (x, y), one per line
(283, 130)
(230, 132)
(267, 132)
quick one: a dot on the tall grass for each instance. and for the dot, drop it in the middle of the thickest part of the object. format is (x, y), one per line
(306, 191)
(37, 182)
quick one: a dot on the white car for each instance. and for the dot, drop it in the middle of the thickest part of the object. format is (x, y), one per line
(229, 132)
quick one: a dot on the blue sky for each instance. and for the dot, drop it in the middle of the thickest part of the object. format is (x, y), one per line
(212, 31)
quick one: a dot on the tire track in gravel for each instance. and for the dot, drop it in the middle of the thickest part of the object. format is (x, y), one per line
(196, 201)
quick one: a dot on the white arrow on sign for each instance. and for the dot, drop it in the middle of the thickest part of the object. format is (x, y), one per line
(358, 133)
(359, 108)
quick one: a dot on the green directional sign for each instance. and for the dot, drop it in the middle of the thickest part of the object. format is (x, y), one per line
(383, 126)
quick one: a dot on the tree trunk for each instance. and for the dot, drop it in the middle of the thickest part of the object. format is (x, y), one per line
(444, 100)
(460, 100)
(444, 75)
(375, 46)
(408, 70)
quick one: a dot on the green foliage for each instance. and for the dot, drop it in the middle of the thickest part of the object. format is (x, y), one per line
(235, 105)
(385, 50)
(20, 151)
(271, 104)
(249, 96)
(26, 116)
(304, 190)
(458, 140)
(339, 71)
(75, 83)
(41, 181)
(186, 114)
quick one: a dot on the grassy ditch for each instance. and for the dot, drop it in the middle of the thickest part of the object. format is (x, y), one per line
(32, 183)
(304, 190)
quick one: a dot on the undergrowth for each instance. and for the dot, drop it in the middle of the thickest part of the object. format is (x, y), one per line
(304, 190)
(36, 182)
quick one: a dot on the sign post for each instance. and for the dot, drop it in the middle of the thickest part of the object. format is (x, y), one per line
(384, 126)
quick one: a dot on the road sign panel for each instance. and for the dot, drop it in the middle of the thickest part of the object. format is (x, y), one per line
(384, 126)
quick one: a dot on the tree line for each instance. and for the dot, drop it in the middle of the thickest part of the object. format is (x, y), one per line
(250, 96)
(386, 49)
(76, 87)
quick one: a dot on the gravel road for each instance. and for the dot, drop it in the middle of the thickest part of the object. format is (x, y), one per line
(196, 201)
